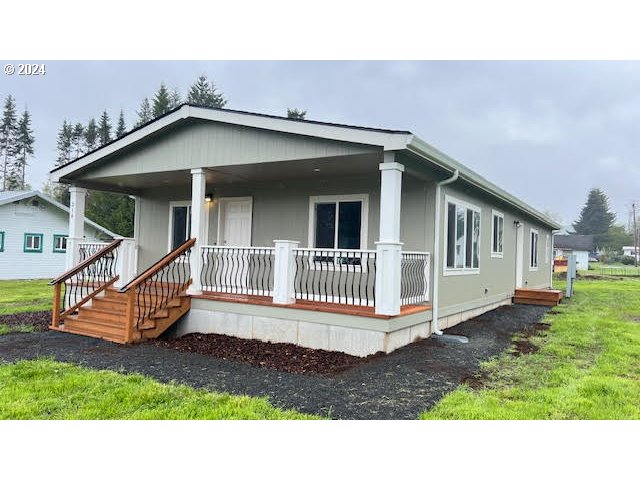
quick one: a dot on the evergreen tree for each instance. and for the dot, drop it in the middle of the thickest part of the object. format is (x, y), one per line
(24, 146)
(113, 211)
(144, 113)
(104, 129)
(175, 99)
(121, 129)
(91, 135)
(296, 114)
(65, 154)
(161, 101)
(8, 133)
(64, 144)
(596, 218)
(77, 140)
(204, 94)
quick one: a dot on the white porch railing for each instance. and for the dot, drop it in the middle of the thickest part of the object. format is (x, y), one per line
(241, 270)
(288, 273)
(123, 260)
(86, 249)
(414, 284)
(335, 275)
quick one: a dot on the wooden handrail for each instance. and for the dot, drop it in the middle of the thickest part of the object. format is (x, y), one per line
(87, 262)
(163, 262)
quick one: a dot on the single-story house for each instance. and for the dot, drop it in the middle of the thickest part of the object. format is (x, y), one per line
(579, 245)
(629, 252)
(328, 236)
(33, 235)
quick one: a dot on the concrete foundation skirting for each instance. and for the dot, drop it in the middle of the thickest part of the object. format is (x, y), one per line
(322, 334)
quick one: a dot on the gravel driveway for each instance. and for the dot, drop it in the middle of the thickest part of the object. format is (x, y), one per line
(400, 385)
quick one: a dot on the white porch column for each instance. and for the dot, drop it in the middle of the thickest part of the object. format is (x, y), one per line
(77, 198)
(198, 224)
(284, 272)
(389, 247)
(125, 266)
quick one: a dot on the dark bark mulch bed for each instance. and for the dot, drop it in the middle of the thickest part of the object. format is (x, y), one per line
(40, 321)
(399, 385)
(285, 357)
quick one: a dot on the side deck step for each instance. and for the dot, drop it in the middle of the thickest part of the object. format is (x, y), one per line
(537, 296)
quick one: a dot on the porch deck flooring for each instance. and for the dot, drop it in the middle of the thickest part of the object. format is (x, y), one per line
(359, 310)
(395, 386)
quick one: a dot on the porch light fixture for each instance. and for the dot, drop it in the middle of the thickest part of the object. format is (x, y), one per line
(208, 197)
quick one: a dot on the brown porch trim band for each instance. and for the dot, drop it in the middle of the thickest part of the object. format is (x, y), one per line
(358, 310)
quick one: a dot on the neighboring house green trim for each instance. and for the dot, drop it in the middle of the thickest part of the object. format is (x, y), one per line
(33, 250)
(1, 241)
(56, 236)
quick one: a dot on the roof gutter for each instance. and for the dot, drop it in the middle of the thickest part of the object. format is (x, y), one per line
(435, 304)
(434, 156)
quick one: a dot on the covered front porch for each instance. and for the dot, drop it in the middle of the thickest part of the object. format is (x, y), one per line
(329, 259)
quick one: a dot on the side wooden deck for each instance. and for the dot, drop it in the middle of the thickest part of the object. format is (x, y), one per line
(538, 296)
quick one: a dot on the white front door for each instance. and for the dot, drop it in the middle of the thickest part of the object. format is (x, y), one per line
(234, 221)
(519, 254)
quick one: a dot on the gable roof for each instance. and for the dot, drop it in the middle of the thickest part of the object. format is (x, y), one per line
(574, 242)
(16, 196)
(389, 140)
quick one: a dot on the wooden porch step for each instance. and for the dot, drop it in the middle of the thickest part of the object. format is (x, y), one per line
(110, 303)
(174, 314)
(96, 331)
(108, 315)
(534, 296)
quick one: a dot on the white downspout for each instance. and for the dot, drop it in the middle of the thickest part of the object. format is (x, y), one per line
(436, 255)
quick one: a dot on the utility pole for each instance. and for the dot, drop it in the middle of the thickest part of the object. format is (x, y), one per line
(635, 235)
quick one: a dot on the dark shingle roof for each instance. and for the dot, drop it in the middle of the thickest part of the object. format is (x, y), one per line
(574, 242)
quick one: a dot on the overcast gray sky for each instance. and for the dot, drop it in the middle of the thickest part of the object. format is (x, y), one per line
(544, 131)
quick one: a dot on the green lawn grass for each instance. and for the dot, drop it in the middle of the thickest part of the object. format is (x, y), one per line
(17, 296)
(588, 365)
(46, 389)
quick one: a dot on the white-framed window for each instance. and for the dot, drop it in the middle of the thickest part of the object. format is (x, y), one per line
(338, 222)
(59, 243)
(497, 234)
(462, 237)
(33, 242)
(179, 223)
(547, 249)
(533, 249)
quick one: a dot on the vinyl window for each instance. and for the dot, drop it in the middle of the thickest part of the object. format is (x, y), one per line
(338, 222)
(59, 243)
(533, 250)
(179, 223)
(462, 250)
(497, 234)
(33, 242)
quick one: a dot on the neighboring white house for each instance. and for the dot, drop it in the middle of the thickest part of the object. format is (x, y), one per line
(578, 245)
(33, 235)
(628, 252)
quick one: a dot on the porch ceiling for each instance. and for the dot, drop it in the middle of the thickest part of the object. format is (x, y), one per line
(346, 165)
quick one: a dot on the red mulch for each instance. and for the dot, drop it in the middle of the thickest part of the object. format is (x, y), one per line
(285, 357)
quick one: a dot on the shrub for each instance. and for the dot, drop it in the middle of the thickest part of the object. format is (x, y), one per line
(627, 260)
